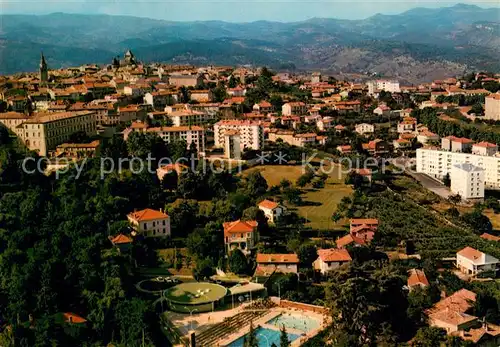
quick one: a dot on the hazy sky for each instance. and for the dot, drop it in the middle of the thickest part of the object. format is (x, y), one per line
(228, 10)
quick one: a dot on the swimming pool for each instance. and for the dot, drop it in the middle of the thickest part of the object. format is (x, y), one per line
(302, 323)
(266, 338)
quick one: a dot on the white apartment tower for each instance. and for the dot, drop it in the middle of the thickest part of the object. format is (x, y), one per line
(468, 181)
(251, 133)
(386, 85)
(492, 107)
(437, 163)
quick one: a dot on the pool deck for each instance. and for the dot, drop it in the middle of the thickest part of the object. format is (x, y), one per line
(275, 312)
(203, 321)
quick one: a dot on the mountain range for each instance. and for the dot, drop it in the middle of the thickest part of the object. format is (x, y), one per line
(416, 45)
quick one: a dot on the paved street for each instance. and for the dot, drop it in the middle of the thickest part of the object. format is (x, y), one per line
(432, 184)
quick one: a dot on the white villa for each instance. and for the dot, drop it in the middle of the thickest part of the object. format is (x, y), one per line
(472, 262)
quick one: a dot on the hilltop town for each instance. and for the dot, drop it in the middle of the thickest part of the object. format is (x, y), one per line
(154, 204)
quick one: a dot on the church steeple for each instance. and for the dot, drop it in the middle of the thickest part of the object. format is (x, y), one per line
(44, 70)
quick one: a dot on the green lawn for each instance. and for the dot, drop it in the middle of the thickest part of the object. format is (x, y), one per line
(319, 203)
(328, 199)
(275, 173)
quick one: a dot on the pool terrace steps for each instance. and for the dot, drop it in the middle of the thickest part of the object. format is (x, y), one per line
(212, 335)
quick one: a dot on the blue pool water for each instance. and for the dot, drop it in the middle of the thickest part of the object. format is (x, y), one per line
(266, 338)
(302, 323)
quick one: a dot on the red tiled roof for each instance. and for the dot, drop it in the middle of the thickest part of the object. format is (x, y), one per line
(460, 301)
(268, 204)
(147, 214)
(490, 237)
(452, 317)
(239, 226)
(459, 139)
(357, 221)
(348, 239)
(417, 277)
(364, 172)
(70, 317)
(334, 255)
(470, 253)
(485, 144)
(296, 104)
(121, 239)
(277, 258)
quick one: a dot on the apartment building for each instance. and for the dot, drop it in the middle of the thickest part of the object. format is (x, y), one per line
(294, 108)
(377, 86)
(193, 134)
(105, 113)
(364, 128)
(186, 117)
(232, 144)
(437, 163)
(150, 223)
(492, 107)
(160, 99)
(467, 180)
(131, 113)
(78, 150)
(44, 132)
(185, 80)
(201, 95)
(251, 133)
(13, 120)
(299, 140)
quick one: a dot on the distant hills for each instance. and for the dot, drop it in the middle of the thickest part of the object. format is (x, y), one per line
(415, 45)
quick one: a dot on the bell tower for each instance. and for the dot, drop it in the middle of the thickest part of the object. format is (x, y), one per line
(44, 71)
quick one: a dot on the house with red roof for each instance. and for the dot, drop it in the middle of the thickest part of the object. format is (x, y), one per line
(73, 318)
(366, 174)
(382, 110)
(451, 313)
(376, 147)
(121, 241)
(417, 278)
(363, 228)
(472, 262)
(361, 232)
(284, 263)
(150, 223)
(344, 149)
(294, 108)
(242, 235)
(272, 210)
(349, 239)
(401, 144)
(490, 237)
(263, 107)
(331, 259)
